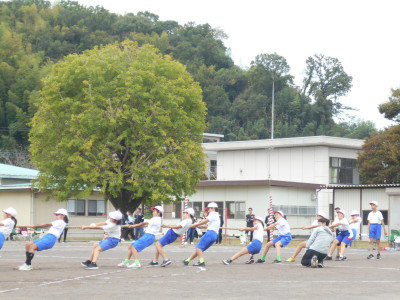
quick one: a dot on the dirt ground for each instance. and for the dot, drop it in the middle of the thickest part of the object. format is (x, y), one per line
(58, 274)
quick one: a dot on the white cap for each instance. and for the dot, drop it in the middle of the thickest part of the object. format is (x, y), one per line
(212, 204)
(342, 212)
(10, 211)
(354, 212)
(322, 214)
(279, 212)
(61, 211)
(159, 208)
(116, 215)
(190, 211)
(374, 202)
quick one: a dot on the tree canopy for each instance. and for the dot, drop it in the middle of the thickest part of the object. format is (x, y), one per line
(123, 119)
(35, 35)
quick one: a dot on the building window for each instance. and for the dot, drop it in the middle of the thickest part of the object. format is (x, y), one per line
(294, 210)
(96, 208)
(177, 210)
(213, 170)
(343, 171)
(197, 206)
(236, 209)
(365, 216)
(76, 207)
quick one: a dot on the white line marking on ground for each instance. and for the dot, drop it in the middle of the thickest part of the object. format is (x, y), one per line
(11, 290)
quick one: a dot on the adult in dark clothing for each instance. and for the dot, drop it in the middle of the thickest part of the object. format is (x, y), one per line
(250, 222)
(219, 240)
(139, 218)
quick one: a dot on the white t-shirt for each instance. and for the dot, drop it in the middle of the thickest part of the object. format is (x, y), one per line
(154, 225)
(356, 225)
(375, 218)
(213, 221)
(258, 234)
(283, 226)
(315, 223)
(112, 229)
(185, 226)
(57, 227)
(344, 225)
(8, 225)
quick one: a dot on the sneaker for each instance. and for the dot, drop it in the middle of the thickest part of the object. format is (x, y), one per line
(314, 261)
(25, 267)
(123, 264)
(277, 261)
(250, 261)
(134, 266)
(199, 264)
(344, 257)
(340, 259)
(85, 263)
(185, 262)
(371, 256)
(166, 262)
(378, 256)
(191, 243)
(153, 263)
(122, 240)
(290, 259)
(320, 264)
(91, 266)
(226, 261)
(260, 261)
(328, 258)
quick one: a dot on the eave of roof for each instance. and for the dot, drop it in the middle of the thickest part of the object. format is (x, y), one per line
(310, 141)
(219, 183)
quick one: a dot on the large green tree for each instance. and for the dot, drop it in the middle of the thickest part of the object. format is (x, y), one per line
(121, 118)
(379, 161)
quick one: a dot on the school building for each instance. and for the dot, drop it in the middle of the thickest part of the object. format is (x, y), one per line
(300, 176)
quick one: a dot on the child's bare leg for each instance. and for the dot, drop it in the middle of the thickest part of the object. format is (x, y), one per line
(278, 247)
(240, 253)
(159, 250)
(269, 245)
(129, 255)
(299, 248)
(334, 245)
(135, 253)
(371, 245)
(378, 245)
(93, 249)
(96, 253)
(199, 253)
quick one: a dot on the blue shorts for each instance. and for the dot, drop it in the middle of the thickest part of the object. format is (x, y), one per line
(254, 247)
(2, 238)
(354, 235)
(146, 240)
(375, 231)
(207, 240)
(168, 238)
(108, 243)
(46, 242)
(343, 237)
(284, 239)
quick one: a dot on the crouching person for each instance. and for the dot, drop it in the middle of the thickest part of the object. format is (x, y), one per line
(317, 246)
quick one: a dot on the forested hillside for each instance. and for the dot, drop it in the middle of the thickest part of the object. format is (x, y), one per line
(34, 34)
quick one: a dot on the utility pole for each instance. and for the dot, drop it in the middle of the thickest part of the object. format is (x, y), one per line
(273, 106)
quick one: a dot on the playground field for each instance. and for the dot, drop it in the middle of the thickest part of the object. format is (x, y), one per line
(57, 274)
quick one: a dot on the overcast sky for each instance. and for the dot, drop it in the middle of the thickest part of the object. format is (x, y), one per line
(362, 34)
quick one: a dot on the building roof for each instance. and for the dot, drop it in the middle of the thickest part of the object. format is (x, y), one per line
(215, 183)
(330, 141)
(8, 171)
(361, 186)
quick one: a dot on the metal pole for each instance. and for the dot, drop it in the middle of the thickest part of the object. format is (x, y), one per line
(273, 107)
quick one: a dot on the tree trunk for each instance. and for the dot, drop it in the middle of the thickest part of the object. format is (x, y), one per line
(125, 201)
